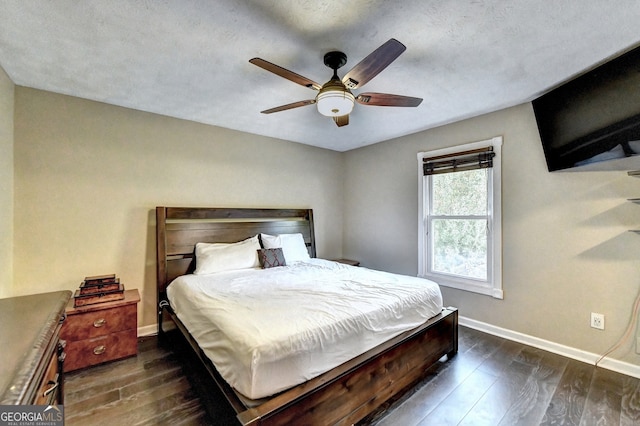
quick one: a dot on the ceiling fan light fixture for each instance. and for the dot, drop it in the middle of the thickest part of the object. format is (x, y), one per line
(335, 103)
(334, 100)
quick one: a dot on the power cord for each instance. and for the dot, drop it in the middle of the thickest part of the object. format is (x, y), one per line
(627, 333)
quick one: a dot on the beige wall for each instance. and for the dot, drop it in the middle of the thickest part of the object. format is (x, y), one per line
(567, 251)
(88, 176)
(6, 183)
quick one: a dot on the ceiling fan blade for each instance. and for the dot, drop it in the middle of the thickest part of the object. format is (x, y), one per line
(371, 66)
(289, 106)
(285, 73)
(386, 99)
(343, 120)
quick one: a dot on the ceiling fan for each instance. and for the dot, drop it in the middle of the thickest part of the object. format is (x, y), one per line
(334, 98)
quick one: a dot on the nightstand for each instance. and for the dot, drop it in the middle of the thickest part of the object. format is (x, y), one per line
(348, 262)
(101, 332)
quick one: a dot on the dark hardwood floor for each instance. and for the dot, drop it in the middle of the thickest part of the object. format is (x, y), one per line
(149, 389)
(491, 381)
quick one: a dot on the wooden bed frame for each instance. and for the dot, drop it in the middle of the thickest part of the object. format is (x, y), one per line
(344, 395)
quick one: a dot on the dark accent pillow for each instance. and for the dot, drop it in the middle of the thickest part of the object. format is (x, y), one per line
(271, 257)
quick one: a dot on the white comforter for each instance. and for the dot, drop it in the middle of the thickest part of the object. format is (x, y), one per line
(267, 330)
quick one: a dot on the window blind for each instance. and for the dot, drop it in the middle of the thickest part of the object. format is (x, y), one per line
(481, 158)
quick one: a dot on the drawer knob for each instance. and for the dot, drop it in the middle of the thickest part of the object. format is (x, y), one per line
(99, 322)
(99, 350)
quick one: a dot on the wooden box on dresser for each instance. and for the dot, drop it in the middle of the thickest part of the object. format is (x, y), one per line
(32, 356)
(101, 332)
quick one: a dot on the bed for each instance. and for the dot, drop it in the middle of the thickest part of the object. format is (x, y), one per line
(346, 393)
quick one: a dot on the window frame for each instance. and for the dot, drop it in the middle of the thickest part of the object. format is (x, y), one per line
(493, 285)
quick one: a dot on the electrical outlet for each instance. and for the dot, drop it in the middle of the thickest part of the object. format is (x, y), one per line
(597, 321)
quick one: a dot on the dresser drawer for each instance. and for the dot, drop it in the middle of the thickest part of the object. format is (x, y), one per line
(48, 391)
(100, 323)
(83, 353)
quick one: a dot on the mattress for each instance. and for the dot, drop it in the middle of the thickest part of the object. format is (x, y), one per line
(266, 330)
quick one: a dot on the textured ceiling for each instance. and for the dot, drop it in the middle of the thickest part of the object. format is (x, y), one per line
(189, 59)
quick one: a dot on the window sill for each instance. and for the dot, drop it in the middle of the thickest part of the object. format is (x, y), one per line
(487, 289)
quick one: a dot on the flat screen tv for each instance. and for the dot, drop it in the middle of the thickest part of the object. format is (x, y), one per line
(593, 121)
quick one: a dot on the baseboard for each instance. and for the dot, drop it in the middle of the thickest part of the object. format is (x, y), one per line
(556, 348)
(148, 330)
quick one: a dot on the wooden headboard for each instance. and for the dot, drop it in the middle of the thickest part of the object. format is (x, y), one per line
(178, 229)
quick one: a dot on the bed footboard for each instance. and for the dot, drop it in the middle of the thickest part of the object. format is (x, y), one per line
(351, 391)
(355, 389)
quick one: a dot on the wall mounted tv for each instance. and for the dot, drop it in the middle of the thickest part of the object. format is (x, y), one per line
(593, 121)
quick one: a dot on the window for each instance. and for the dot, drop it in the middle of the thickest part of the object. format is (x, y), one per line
(460, 217)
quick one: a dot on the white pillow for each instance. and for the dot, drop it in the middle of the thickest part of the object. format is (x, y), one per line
(293, 246)
(217, 257)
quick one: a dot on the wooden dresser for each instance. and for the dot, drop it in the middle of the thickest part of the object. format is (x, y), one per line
(32, 357)
(101, 332)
